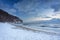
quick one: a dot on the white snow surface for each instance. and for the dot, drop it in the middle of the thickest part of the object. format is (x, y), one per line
(8, 33)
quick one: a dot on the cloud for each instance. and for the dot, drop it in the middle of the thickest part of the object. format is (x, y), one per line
(56, 16)
(56, 7)
(38, 8)
(33, 5)
(32, 8)
(37, 19)
(10, 2)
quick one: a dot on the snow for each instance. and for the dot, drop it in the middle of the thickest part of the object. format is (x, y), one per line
(8, 33)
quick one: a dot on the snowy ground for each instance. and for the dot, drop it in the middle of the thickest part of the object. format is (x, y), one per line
(8, 33)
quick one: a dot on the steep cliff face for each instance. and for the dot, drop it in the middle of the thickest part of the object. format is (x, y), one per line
(5, 17)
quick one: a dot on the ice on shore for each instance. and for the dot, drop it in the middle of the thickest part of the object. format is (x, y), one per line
(8, 33)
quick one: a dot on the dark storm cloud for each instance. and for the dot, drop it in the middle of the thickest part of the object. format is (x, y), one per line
(55, 4)
(56, 7)
(10, 1)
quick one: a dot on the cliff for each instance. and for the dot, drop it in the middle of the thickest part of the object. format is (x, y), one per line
(6, 17)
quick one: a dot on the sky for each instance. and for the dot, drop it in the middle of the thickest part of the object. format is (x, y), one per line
(32, 10)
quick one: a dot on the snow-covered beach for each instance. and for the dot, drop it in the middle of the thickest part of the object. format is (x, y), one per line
(8, 33)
